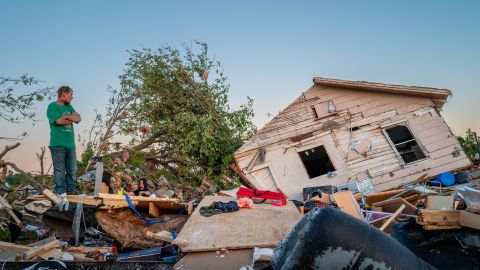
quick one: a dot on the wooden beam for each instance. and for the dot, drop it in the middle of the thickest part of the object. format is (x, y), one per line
(372, 198)
(39, 250)
(163, 235)
(392, 217)
(190, 208)
(253, 161)
(10, 212)
(113, 197)
(8, 245)
(104, 187)
(391, 206)
(438, 219)
(153, 210)
(52, 197)
(470, 220)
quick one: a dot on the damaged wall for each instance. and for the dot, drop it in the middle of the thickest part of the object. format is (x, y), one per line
(358, 115)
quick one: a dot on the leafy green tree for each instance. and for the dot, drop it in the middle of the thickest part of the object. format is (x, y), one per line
(470, 144)
(17, 99)
(173, 106)
(15, 107)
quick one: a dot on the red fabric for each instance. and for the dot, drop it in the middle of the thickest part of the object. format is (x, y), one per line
(264, 194)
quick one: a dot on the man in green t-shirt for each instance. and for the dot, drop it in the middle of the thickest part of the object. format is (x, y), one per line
(61, 117)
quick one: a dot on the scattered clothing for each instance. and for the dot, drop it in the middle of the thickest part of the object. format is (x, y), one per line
(245, 203)
(218, 208)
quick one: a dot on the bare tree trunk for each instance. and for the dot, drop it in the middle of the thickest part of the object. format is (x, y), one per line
(4, 173)
(41, 157)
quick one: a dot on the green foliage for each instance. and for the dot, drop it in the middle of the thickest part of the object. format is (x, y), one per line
(470, 144)
(15, 107)
(87, 155)
(181, 97)
(22, 180)
(5, 234)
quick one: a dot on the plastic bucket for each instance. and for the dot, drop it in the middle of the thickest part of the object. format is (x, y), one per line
(445, 179)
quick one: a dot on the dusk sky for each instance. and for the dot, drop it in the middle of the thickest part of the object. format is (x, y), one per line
(270, 50)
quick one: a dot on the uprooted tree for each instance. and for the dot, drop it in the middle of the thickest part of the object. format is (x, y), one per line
(173, 107)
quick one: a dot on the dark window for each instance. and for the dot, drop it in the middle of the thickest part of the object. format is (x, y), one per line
(405, 143)
(316, 161)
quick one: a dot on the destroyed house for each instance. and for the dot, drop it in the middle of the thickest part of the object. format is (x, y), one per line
(338, 133)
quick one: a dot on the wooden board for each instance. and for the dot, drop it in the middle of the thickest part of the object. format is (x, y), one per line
(10, 250)
(220, 260)
(392, 205)
(438, 219)
(470, 220)
(380, 196)
(347, 203)
(262, 226)
(114, 201)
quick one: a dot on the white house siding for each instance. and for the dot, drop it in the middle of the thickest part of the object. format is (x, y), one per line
(355, 108)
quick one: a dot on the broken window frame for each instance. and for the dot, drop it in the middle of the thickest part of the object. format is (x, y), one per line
(415, 138)
(305, 148)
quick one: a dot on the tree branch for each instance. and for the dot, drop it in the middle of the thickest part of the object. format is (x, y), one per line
(29, 178)
(8, 148)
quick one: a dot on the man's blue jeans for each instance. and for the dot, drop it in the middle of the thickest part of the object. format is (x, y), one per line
(64, 168)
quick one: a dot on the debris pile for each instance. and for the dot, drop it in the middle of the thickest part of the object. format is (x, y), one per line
(246, 228)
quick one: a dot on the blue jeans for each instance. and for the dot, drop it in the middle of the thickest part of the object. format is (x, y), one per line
(64, 161)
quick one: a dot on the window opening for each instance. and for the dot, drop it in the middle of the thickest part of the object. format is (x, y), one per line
(315, 114)
(406, 145)
(316, 161)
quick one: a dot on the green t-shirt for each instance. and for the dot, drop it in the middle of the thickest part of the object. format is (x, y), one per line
(60, 135)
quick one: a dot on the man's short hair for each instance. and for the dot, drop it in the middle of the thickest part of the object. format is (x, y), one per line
(63, 89)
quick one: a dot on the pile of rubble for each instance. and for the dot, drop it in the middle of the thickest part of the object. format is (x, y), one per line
(248, 229)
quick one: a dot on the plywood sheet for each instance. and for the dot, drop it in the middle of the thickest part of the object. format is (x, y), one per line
(347, 203)
(262, 226)
(220, 260)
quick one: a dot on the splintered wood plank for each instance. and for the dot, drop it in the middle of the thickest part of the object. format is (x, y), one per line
(262, 226)
(10, 212)
(153, 210)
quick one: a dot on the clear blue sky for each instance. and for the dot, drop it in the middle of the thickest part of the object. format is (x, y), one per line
(270, 49)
